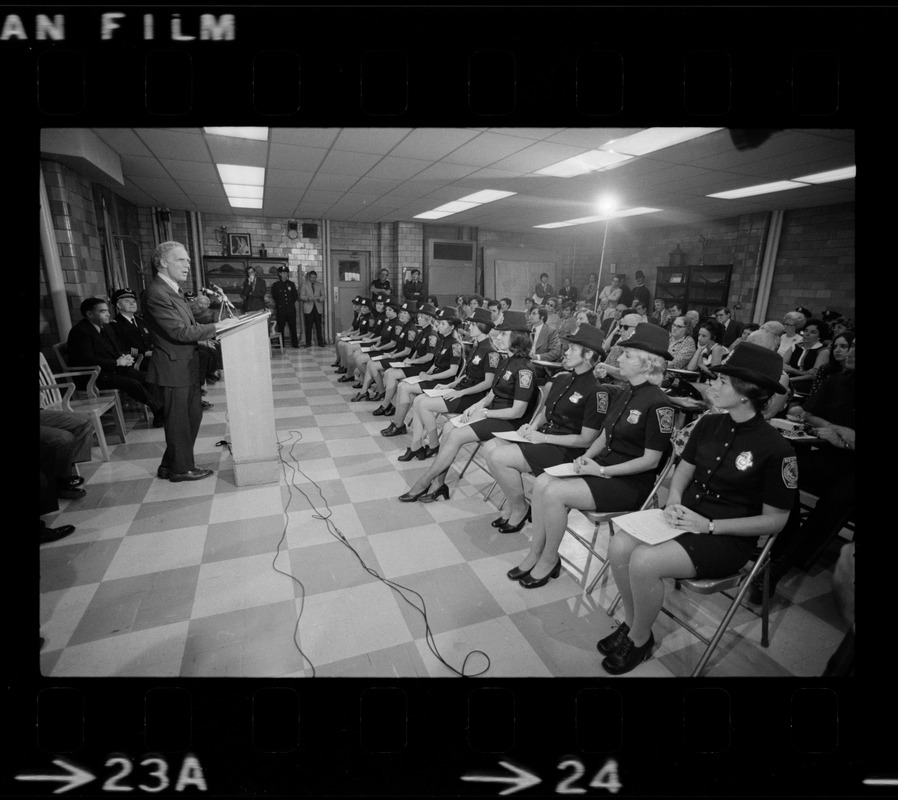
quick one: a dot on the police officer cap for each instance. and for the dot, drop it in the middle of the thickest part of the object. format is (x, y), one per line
(118, 294)
(409, 305)
(588, 336)
(803, 310)
(514, 321)
(282, 268)
(357, 301)
(428, 309)
(651, 338)
(396, 305)
(380, 298)
(755, 364)
(448, 314)
(364, 302)
(482, 316)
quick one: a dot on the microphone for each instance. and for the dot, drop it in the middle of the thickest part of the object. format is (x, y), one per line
(208, 292)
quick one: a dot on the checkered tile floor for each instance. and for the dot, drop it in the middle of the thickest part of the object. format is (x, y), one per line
(164, 579)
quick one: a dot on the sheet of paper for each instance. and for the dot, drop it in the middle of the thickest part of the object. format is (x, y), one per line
(563, 471)
(436, 392)
(367, 349)
(379, 358)
(457, 421)
(416, 379)
(399, 364)
(511, 436)
(648, 526)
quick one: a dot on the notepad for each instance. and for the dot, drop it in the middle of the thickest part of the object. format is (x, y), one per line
(648, 526)
(416, 379)
(511, 436)
(457, 421)
(398, 364)
(436, 392)
(563, 471)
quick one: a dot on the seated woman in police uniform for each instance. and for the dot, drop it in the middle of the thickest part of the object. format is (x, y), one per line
(397, 349)
(736, 481)
(505, 407)
(362, 330)
(377, 321)
(414, 363)
(448, 361)
(569, 421)
(353, 329)
(389, 333)
(470, 386)
(618, 470)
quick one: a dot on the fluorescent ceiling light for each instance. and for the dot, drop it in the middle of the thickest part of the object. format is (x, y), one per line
(485, 196)
(762, 188)
(455, 206)
(633, 212)
(245, 202)
(242, 190)
(432, 215)
(567, 223)
(652, 139)
(628, 212)
(236, 173)
(831, 175)
(260, 134)
(590, 161)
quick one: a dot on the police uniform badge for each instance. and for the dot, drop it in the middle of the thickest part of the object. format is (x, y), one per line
(745, 460)
(790, 472)
(456, 350)
(634, 416)
(665, 419)
(507, 375)
(475, 360)
(576, 397)
(412, 335)
(602, 402)
(494, 359)
(525, 378)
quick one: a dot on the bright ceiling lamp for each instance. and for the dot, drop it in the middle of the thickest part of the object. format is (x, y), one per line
(831, 175)
(245, 202)
(627, 212)
(260, 134)
(242, 190)
(455, 206)
(634, 212)
(236, 173)
(463, 204)
(485, 196)
(590, 161)
(568, 222)
(652, 139)
(433, 215)
(761, 188)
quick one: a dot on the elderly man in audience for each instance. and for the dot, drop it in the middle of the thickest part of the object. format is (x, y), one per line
(130, 329)
(694, 317)
(681, 346)
(609, 369)
(553, 320)
(92, 343)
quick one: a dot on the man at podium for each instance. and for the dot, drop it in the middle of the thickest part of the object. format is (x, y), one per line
(175, 366)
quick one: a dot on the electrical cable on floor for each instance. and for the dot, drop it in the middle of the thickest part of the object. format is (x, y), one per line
(340, 537)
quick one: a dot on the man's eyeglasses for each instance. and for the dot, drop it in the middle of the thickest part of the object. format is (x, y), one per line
(678, 325)
(626, 327)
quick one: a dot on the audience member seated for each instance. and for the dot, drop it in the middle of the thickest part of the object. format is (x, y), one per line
(65, 440)
(567, 292)
(468, 388)
(618, 470)
(590, 291)
(659, 314)
(546, 343)
(792, 324)
(709, 352)
(390, 337)
(608, 323)
(369, 324)
(568, 322)
(611, 292)
(750, 327)
(827, 471)
(448, 361)
(732, 329)
(569, 421)
(735, 482)
(130, 329)
(552, 318)
(91, 343)
(397, 349)
(352, 330)
(843, 325)
(694, 318)
(808, 354)
(504, 408)
(614, 347)
(777, 329)
(414, 363)
(680, 346)
(674, 310)
(495, 309)
(544, 290)
(641, 311)
(838, 352)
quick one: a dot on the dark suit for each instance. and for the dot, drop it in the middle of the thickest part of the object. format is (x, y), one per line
(732, 332)
(90, 348)
(253, 296)
(175, 367)
(285, 296)
(135, 336)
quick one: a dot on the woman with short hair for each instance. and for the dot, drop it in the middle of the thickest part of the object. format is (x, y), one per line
(709, 353)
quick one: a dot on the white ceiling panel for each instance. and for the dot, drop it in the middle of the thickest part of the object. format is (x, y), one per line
(486, 149)
(230, 150)
(332, 183)
(307, 137)
(374, 186)
(202, 189)
(191, 170)
(590, 138)
(169, 144)
(342, 162)
(441, 172)
(370, 140)
(536, 157)
(148, 167)
(397, 169)
(527, 133)
(124, 141)
(431, 144)
(287, 179)
(294, 158)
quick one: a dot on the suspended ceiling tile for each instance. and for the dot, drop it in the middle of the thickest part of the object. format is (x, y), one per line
(321, 197)
(191, 170)
(294, 158)
(145, 167)
(246, 152)
(441, 172)
(590, 138)
(168, 144)
(397, 169)
(486, 149)
(199, 189)
(536, 157)
(282, 195)
(342, 162)
(527, 133)
(431, 144)
(307, 137)
(124, 141)
(370, 140)
(288, 179)
(332, 183)
(374, 186)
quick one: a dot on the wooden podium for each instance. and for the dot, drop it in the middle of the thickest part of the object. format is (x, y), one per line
(245, 350)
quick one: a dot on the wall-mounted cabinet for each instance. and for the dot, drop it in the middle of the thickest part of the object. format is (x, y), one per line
(229, 272)
(703, 288)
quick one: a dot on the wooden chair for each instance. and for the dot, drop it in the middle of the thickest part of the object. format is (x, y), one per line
(274, 335)
(95, 404)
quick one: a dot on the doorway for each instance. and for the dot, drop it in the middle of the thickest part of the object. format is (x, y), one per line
(349, 277)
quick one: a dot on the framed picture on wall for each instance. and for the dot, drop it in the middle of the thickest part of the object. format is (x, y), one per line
(239, 244)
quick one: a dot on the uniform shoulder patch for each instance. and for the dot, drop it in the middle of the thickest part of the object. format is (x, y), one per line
(602, 402)
(790, 472)
(412, 335)
(456, 350)
(494, 359)
(432, 340)
(525, 378)
(665, 419)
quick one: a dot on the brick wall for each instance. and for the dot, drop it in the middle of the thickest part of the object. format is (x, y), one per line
(815, 262)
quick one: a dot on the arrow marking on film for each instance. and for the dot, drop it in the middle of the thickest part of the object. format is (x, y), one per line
(522, 779)
(74, 778)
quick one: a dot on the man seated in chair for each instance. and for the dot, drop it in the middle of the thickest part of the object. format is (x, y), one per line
(92, 343)
(130, 329)
(546, 342)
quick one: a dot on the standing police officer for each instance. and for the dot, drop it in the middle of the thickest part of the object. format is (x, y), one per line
(285, 296)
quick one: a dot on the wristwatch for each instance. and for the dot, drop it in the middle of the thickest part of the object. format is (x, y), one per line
(601, 472)
(711, 526)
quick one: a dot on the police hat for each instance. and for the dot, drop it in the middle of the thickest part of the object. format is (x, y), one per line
(755, 364)
(282, 268)
(396, 305)
(409, 305)
(364, 302)
(448, 314)
(118, 294)
(588, 336)
(357, 301)
(651, 338)
(514, 321)
(482, 316)
(380, 298)
(428, 309)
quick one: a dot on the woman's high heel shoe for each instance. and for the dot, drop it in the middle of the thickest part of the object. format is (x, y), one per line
(529, 582)
(359, 397)
(509, 528)
(498, 522)
(410, 454)
(408, 497)
(435, 495)
(378, 396)
(381, 410)
(515, 574)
